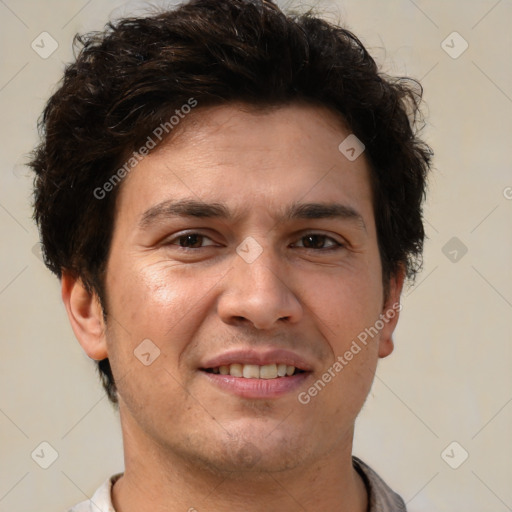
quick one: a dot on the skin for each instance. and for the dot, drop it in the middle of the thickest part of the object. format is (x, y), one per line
(188, 444)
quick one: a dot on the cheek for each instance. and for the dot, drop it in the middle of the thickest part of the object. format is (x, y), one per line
(165, 303)
(144, 338)
(154, 396)
(149, 298)
(346, 303)
(345, 306)
(154, 318)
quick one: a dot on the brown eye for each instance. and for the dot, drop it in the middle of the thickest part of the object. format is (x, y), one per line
(317, 241)
(314, 241)
(190, 241)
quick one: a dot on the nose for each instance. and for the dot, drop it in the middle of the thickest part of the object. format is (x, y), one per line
(259, 293)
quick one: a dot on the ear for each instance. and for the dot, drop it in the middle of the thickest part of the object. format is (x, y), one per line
(391, 312)
(85, 315)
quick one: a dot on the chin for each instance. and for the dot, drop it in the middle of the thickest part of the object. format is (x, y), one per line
(254, 450)
(251, 459)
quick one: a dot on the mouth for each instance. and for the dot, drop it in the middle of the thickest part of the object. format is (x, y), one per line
(249, 374)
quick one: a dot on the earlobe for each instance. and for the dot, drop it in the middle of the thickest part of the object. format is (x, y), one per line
(390, 313)
(85, 315)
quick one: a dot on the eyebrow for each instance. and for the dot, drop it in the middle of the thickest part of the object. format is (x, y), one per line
(324, 211)
(202, 210)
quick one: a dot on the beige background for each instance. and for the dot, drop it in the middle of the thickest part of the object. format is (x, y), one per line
(450, 377)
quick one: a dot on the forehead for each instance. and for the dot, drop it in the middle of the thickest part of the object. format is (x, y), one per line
(237, 127)
(246, 157)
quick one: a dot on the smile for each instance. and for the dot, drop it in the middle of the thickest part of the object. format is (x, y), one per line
(254, 371)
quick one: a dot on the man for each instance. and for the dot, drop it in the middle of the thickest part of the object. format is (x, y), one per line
(232, 200)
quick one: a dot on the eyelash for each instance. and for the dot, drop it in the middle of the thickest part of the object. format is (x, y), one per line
(337, 245)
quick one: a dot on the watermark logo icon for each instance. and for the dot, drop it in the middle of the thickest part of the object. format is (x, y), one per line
(351, 147)
(37, 251)
(454, 455)
(454, 249)
(44, 455)
(44, 45)
(454, 45)
(249, 250)
(147, 352)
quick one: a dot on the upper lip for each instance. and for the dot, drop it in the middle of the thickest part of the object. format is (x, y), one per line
(260, 358)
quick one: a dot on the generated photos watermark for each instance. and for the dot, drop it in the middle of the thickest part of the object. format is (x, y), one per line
(157, 135)
(304, 397)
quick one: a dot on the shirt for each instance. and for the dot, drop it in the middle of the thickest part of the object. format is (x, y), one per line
(380, 497)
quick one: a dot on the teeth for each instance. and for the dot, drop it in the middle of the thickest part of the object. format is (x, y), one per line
(281, 370)
(253, 371)
(269, 371)
(236, 370)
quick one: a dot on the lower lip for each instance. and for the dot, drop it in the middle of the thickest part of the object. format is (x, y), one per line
(257, 388)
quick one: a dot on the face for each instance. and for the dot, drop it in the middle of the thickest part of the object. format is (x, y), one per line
(243, 249)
